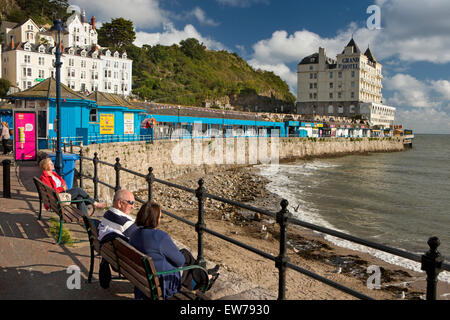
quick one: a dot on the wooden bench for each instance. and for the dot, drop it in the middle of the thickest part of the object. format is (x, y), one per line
(135, 266)
(49, 197)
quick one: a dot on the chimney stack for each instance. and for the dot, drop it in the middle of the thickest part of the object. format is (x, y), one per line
(93, 22)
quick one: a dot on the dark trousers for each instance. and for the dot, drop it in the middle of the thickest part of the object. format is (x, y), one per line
(5, 146)
(198, 275)
(80, 194)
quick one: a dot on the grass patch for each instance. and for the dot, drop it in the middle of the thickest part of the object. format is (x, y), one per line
(66, 238)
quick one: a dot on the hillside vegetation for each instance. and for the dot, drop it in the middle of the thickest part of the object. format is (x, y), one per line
(190, 74)
(187, 73)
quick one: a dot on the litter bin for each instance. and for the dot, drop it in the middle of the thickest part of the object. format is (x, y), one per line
(69, 161)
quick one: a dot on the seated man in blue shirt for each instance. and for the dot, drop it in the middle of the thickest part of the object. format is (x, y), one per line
(116, 222)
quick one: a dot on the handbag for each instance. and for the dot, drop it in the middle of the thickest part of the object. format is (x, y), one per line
(64, 196)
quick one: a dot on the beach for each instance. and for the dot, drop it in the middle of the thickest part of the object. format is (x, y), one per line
(306, 248)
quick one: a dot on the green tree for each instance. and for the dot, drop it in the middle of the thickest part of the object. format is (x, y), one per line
(4, 87)
(117, 33)
(192, 48)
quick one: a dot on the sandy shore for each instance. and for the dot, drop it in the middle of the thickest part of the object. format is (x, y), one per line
(306, 249)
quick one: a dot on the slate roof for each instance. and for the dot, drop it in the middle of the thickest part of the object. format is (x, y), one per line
(113, 100)
(47, 89)
(353, 44)
(370, 56)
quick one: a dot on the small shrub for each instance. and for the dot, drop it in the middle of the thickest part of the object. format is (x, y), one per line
(66, 238)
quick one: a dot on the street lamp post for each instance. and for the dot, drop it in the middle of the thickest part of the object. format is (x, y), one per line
(58, 29)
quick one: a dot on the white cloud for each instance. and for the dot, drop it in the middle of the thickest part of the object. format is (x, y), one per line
(442, 87)
(241, 3)
(409, 92)
(143, 13)
(429, 120)
(281, 70)
(171, 35)
(200, 15)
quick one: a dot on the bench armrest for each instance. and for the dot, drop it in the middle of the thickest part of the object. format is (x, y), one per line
(194, 266)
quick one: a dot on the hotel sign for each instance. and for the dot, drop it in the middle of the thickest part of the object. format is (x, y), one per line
(349, 63)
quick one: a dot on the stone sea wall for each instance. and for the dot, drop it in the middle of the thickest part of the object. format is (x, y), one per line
(173, 159)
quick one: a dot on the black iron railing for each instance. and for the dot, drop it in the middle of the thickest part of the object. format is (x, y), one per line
(431, 262)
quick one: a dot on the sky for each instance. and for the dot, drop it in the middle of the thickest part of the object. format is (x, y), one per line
(411, 39)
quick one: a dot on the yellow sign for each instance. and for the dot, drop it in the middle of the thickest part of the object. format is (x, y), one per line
(106, 123)
(128, 123)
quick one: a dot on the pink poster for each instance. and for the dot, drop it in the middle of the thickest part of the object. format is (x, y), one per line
(25, 135)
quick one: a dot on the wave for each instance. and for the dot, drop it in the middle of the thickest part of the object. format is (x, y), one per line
(306, 212)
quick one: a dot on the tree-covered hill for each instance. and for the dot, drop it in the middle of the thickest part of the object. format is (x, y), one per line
(190, 74)
(187, 73)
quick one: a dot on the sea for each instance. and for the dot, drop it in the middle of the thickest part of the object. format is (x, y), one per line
(398, 199)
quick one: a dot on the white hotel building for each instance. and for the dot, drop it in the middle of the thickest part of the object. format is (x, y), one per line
(28, 57)
(344, 87)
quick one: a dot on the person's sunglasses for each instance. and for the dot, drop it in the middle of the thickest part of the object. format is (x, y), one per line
(129, 201)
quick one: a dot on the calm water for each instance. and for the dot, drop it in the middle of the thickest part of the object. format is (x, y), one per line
(399, 199)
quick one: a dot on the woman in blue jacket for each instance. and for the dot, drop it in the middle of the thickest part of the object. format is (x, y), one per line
(165, 255)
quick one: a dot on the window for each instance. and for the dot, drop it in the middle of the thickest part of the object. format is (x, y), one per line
(71, 62)
(340, 74)
(83, 87)
(310, 68)
(331, 85)
(93, 115)
(41, 61)
(330, 109)
(353, 74)
(339, 95)
(331, 95)
(83, 75)
(27, 59)
(315, 85)
(83, 63)
(352, 95)
(331, 75)
(41, 74)
(352, 109)
(353, 84)
(27, 72)
(341, 109)
(315, 95)
(311, 85)
(311, 75)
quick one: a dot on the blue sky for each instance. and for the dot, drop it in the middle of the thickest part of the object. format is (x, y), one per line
(413, 43)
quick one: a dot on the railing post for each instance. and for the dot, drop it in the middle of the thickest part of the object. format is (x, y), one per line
(64, 145)
(117, 168)
(149, 179)
(95, 179)
(432, 265)
(71, 146)
(6, 178)
(81, 167)
(200, 223)
(282, 259)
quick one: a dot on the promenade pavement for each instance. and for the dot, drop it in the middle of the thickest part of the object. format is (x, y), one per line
(34, 266)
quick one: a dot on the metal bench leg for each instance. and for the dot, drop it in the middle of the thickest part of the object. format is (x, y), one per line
(91, 268)
(60, 230)
(40, 210)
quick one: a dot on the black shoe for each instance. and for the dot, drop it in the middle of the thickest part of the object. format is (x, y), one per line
(214, 270)
(212, 280)
(104, 274)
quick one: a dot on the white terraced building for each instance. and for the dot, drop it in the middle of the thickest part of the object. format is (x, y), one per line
(28, 57)
(347, 86)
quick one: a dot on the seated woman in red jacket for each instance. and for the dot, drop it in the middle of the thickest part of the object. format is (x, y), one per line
(53, 180)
